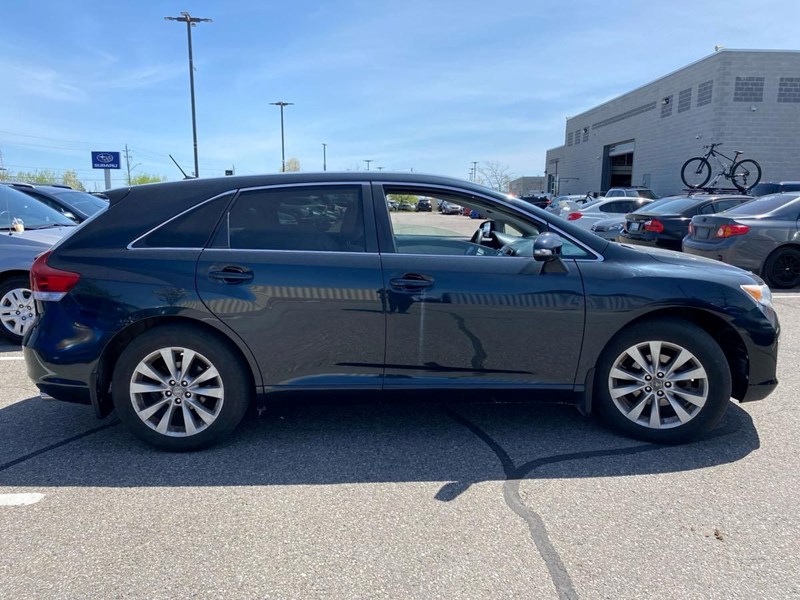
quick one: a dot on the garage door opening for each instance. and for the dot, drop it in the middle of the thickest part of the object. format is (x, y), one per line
(618, 165)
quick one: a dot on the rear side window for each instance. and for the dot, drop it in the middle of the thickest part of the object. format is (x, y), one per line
(324, 218)
(192, 229)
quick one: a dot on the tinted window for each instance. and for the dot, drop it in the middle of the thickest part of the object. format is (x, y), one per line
(724, 205)
(763, 205)
(671, 207)
(81, 201)
(192, 229)
(298, 218)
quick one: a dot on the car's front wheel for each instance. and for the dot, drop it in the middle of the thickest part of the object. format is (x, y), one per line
(17, 308)
(663, 381)
(178, 389)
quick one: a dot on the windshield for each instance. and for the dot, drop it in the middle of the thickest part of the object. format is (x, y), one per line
(81, 201)
(19, 211)
(763, 205)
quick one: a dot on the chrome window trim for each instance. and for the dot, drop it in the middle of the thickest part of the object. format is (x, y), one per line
(598, 257)
(358, 253)
(309, 184)
(180, 214)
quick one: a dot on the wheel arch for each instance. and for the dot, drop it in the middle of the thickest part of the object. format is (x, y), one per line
(6, 275)
(793, 245)
(101, 392)
(729, 340)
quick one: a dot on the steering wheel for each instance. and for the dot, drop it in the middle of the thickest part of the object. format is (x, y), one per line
(476, 237)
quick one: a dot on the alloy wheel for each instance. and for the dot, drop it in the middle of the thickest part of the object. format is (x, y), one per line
(177, 392)
(659, 385)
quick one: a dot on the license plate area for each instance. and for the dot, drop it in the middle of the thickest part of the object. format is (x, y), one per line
(634, 226)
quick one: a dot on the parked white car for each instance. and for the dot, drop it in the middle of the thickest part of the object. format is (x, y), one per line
(589, 214)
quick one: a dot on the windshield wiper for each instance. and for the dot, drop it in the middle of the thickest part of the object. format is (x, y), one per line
(51, 226)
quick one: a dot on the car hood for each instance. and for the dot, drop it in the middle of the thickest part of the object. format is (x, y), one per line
(38, 237)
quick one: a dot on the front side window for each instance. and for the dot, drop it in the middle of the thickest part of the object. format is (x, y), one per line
(480, 229)
(318, 218)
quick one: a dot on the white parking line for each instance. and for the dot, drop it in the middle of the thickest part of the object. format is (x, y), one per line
(12, 358)
(19, 499)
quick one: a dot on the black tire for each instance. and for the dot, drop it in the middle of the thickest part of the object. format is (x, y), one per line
(695, 172)
(782, 268)
(698, 417)
(745, 174)
(17, 308)
(232, 381)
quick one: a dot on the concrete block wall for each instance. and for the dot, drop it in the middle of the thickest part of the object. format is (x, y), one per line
(666, 136)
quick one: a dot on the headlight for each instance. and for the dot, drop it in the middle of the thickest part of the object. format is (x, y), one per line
(761, 294)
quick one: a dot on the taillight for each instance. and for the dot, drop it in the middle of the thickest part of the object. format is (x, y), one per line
(574, 216)
(726, 231)
(691, 229)
(48, 283)
(654, 225)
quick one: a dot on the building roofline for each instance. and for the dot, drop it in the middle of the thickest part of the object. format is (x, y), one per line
(717, 53)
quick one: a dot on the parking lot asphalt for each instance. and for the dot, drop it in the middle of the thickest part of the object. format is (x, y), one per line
(425, 499)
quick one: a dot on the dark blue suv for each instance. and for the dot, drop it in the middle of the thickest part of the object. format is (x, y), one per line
(184, 303)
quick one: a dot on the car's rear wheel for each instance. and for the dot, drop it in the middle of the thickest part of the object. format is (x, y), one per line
(663, 381)
(17, 308)
(782, 268)
(179, 390)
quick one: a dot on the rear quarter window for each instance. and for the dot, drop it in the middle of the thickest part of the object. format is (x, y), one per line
(191, 229)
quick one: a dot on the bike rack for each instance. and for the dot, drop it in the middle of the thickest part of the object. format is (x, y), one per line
(715, 190)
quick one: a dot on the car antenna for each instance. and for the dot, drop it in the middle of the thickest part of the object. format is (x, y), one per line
(185, 176)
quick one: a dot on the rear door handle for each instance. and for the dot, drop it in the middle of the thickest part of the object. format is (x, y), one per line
(411, 281)
(231, 275)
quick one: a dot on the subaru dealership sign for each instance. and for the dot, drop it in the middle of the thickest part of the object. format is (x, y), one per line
(105, 160)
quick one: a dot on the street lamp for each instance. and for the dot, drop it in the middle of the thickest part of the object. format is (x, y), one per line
(283, 149)
(367, 160)
(324, 157)
(474, 170)
(191, 22)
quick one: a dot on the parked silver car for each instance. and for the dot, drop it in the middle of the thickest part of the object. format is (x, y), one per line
(589, 214)
(27, 228)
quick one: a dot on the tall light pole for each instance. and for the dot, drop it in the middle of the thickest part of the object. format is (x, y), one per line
(367, 160)
(324, 157)
(191, 22)
(474, 170)
(283, 148)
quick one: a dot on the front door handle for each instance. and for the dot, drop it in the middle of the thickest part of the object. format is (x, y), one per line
(231, 275)
(411, 282)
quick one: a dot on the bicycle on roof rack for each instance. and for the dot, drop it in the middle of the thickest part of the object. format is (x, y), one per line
(744, 174)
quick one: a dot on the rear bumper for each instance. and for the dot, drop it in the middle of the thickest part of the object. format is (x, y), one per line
(730, 253)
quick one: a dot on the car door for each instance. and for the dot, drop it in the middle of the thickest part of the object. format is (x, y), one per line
(295, 272)
(456, 318)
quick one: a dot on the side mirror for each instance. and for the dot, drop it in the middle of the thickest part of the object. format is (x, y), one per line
(547, 247)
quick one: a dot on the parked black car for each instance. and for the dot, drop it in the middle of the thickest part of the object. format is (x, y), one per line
(73, 204)
(666, 223)
(761, 236)
(184, 302)
(424, 205)
(774, 187)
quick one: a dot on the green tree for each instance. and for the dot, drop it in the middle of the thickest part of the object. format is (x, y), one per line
(39, 176)
(146, 178)
(70, 178)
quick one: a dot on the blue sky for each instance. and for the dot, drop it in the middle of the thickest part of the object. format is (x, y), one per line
(429, 85)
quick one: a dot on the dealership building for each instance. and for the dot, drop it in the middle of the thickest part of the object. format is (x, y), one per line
(748, 100)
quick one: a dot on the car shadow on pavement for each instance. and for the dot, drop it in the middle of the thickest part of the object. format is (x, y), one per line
(50, 444)
(9, 347)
